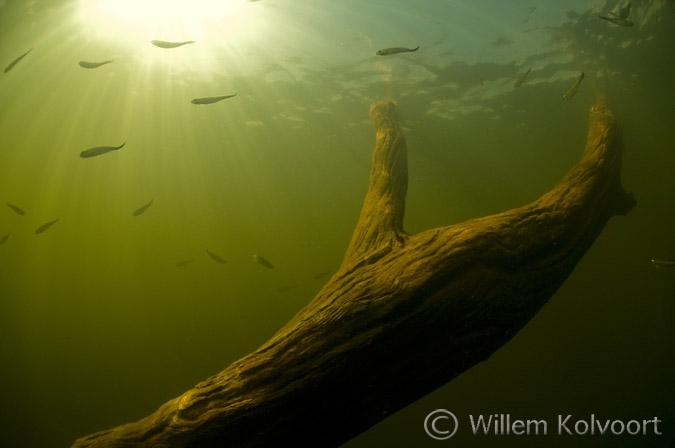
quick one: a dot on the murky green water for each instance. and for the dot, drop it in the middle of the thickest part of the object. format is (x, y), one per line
(106, 315)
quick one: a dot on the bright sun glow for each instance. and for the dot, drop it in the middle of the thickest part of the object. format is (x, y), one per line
(160, 17)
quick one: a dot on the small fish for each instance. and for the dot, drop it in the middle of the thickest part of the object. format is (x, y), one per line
(321, 275)
(574, 88)
(286, 288)
(93, 152)
(211, 99)
(520, 81)
(183, 263)
(16, 209)
(45, 226)
(140, 210)
(16, 61)
(395, 50)
(216, 257)
(618, 21)
(85, 64)
(663, 264)
(4, 239)
(262, 261)
(165, 44)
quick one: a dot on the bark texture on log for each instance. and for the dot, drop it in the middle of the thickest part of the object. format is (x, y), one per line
(403, 315)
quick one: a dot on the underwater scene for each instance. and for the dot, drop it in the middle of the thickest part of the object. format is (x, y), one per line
(179, 179)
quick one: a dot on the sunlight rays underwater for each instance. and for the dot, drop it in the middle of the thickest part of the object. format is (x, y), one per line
(193, 161)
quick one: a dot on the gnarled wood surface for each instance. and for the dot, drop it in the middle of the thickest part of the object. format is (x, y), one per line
(403, 315)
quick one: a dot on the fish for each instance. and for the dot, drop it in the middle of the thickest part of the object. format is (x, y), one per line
(286, 288)
(85, 64)
(183, 263)
(574, 88)
(618, 21)
(663, 263)
(142, 209)
(165, 44)
(211, 99)
(520, 81)
(321, 275)
(45, 226)
(262, 261)
(16, 61)
(16, 209)
(4, 239)
(395, 50)
(216, 257)
(97, 151)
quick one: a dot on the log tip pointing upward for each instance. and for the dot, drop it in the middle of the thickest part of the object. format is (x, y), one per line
(380, 111)
(604, 127)
(382, 107)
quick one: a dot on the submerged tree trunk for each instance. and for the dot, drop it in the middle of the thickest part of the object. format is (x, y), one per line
(403, 315)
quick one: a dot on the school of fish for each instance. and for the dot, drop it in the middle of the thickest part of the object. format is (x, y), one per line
(620, 19)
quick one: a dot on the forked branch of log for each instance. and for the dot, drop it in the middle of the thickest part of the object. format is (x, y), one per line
(403, 315)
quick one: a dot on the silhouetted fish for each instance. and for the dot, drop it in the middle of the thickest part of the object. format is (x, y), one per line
(617, 21)
(4, 239)
(663, 264)
(93, 152)
(16, 61)
(183, 263)
(321, 275)
(216, 257)
(574, 88)
(520, 81)
(142, 209)
(86, 64)
(45, 226)
(286, 288)
(165, 44)
(396, 50)
(16, 209)
(262, 261)
(211, 99)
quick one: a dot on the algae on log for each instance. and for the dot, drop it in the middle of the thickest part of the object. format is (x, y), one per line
(403, 315)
